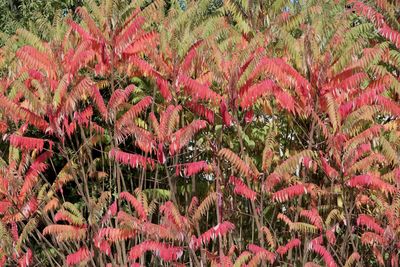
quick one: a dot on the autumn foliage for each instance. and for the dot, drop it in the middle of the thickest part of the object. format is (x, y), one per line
(203, 133)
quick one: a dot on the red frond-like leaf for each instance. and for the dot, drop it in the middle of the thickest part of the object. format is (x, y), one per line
(4, 206)
(134, 160)
(226, 117)
(354, 257)
(172, 214)
(31, 176)
(182, 137)
(282, 250)
(378, 255)
(143, 139)
(111, 211)
(350, 82)
(201, 110)
(10, 108)
(371, 181)
(191, 54)
(3, 127)
(90, 23)
(26, 259)
(211, 234)
(65, 232)
(144, 67)
(369, 222)
(285, 75)
(272, 180)
(82, 89)
(256, 91)
(120, 96)
(289, 193)
(134, 111)
(135, 203)
(357, 153)
(81, 255)
(84, 116)
(329, 171)
(63, 215)
(34, 119)
(330, 235)
(164, 251)
(37, 60)
(27, 143)
(269, 236)
(82, 55)
(193, 168)
(98, 99)
(390, 34)
(370, 238)
(102, 245)
(329, 261)
(242, 189)
(161, 231)
(284, 218)
(197, 90)
(313, 216)
(78, 28)
(236, 161)
(368, 12)
(364, 136)
(259, 250)
(125, 38)
(168, 121)
(113, 235)
(285, 100)
(142, 43)
(164, 88)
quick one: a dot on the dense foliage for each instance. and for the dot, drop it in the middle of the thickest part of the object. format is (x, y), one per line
(32, 14)
(203, 133)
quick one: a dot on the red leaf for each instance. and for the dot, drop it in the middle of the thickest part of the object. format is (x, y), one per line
(193, 168)
(257, 250)
(256, 91)
(134, 111)
(183, 136)
(81, 255)
(164, 88)
(368, 12)
(28, 143)
(329, 171)
(120, 96)
(242, 189)
(197, 90)
(289, 193)
(313, 216)
(211, 234)
(369, 222)
(329, 261)
(201, 110)
(285, 100)
(134, 160)
(84, 116)
(248, 117)
(226, 117)
(125, 38)
(164, 251)
(370, 181)
(26, 259)
(282, 250)
(136, 204)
